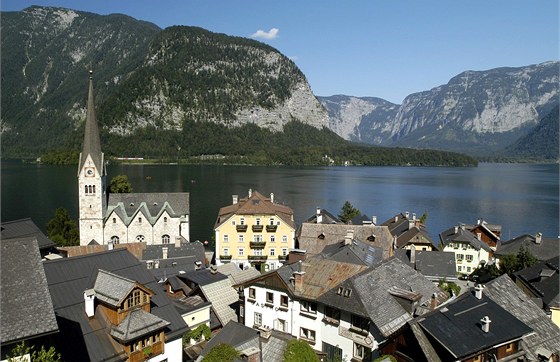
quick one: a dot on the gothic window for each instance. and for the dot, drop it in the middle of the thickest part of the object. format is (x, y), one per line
(165, 239)
(85, 189)
(115, 239)
(93, 189)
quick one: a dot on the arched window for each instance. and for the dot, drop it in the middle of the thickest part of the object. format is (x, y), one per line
(139, 219)
(85, 189)
(89, 189)
(115, 239)
(114, 220)
(165, 219)
(140, 238)
(165, 239)
(93, 188)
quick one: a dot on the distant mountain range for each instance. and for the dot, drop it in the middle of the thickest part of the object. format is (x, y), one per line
(153, 84)
(478, 113)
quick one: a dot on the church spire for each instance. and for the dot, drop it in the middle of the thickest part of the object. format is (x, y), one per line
(92, 142)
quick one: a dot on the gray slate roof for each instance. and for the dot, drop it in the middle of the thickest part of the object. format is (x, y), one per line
(356, 252)
(111, 288)
(314, 237)
(26, 308)
(548, 248)
(461, 235)
(82, 339)
(136, 324)
(150, 205)
(434, 265)
(25, 228)
(236, 335)
(505, 293)
(274, 347)
(543, 280)
(456, 326)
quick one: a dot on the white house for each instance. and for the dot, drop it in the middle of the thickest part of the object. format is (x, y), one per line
(470, 251)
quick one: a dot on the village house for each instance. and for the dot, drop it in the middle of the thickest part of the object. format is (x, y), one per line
(488, 233)
(109, 307)
(540, 247)
(408, 231)
(434, 265)
(154, 218)
(342, 310)
(254, 232)
(470, 252)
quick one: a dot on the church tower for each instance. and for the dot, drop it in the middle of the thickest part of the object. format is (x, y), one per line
(92, 176)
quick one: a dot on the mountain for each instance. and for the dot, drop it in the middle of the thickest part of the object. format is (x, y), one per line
(542, 143)
(146, 78)
(477, 112)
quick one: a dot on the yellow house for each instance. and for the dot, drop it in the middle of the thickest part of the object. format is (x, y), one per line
(254, 231)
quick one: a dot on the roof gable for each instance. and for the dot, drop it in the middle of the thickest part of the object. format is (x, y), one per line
(136, 324)
(114, 289)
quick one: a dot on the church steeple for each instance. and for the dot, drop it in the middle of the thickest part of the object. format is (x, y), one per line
(92, 142)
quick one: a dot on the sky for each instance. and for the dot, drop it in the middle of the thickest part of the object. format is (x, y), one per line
(376, 48)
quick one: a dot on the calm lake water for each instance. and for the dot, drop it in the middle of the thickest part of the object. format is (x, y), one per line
(523, 198)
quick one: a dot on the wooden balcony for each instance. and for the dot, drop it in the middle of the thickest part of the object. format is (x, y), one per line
(225, 257)
(147, 352)
(257, 228)
(257, 258)
(282, 257)
(241, 228)
(257, 244)
(271, 228)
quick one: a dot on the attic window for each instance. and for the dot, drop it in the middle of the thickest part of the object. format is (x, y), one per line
(132, 204)
(347, 292)
(155, 203)
(339, 291)
(321, 236)
(371, 237)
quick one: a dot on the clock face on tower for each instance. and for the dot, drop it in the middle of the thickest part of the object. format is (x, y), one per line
(89, 171)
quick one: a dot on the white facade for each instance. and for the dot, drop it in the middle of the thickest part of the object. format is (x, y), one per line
(173, 352)
(467, 258)
(273, 309)
(91, 194)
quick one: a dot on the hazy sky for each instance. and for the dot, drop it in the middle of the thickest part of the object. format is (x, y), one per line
(378, 48)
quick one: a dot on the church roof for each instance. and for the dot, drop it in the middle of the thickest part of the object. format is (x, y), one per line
(92, 142)
(151, 205)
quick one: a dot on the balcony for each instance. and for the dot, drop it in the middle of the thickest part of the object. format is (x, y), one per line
(257, 228)
(271, 228)
(241, 228)
(225, 257)
(282, 257)
(147, 352)
(257, 244)
(257, 258)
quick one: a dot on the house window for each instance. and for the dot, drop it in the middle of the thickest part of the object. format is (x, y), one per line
(150, 264)
(240, 251)
(140, 238)
(510, 347)
(307, 334)
(272, 252)
(134, 298)
(359, 323)
(165, 239)
(165, 219)
(272, 238)
(258, 319)
(258, 252)
(257, 238)
(225, 251)
(270, 297)
(284, 251)
(271, 221)
(242, 221)
(332, 313)
(114, 220)
(361, 352)
(468, 269)
(233, 222)
(139, 220)
(308, 307)
(284, 238)
(258, 221)
(226, 238)
(241, 238)
(460, 257)
(478, 358)
(469, 258)
(282, 325)
(284, 300)
(252, 293)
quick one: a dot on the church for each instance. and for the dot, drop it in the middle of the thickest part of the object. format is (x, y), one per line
(106, 218)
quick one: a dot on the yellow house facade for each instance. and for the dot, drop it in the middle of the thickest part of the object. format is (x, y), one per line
(254, 232)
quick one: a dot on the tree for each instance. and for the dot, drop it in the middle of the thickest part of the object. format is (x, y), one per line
(19, 352)
(512, 263)
(221, 353)
(424, 218)
(299, 351)
(120, 185)
(348, 212)
(62, 229)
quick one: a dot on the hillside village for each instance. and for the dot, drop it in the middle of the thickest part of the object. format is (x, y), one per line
(351, 288)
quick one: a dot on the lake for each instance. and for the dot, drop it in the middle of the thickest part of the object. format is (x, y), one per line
(523, 198)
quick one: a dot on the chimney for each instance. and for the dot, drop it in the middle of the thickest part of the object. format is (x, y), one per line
(462, 226)
(89, 299)
(251, 354)
(456, 229)
(433, 301)
(411, 223)
(197, 265)
(319, 215)
(396, 218)
(485, 324)
(272, 197)
(177, 242)
(538, 238)
(298, 277)
(478, 291)
(349, 237)
(235, 198)
(374, 220)
(164, 252)
(413, 255)
(213, 269)
(250, 192)
(110, 245)
(414, 216)
(406, 214)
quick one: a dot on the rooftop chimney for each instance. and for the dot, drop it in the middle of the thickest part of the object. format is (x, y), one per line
(538, 238)
(485, 324)
(177, 242)
(235, 198)
(298, 277)
(349, 237)
(433, 301)
(413, 255)
(406, 214)
(164, 252)
(89, 299)
(213, 269)
(478, 291)
(411, 223)
(456, 229)
(110, 245)
(197, 265)
(272, 197)
(319, 215)
(374, 220)
(250, 192)
(251, 354)
(413, 216)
